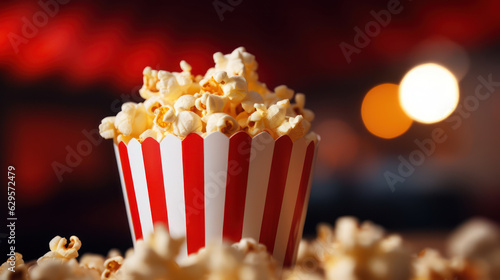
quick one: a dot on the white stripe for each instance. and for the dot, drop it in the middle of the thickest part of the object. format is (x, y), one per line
(173, 178)
(289, 199)
(261, 157)
(216, 149)
(140, 186)
(306, 203)
(124, 191)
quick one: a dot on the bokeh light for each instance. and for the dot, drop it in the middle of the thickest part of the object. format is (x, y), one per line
(382, 114)
(429, 93)
(444, 52)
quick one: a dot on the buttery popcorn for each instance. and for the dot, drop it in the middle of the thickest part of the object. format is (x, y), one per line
(61, 251)
(228, 98)
(350, 251)
(430, 265)
(478, 240)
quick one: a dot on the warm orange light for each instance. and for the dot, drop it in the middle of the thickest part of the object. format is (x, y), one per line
(382, 114)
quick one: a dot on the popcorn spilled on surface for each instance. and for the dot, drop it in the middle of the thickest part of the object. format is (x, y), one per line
(229, 98)
(350, 251)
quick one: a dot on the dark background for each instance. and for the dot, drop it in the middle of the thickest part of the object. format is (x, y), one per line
(88, 59)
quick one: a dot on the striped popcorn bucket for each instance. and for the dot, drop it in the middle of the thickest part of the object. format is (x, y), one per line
(219, 188)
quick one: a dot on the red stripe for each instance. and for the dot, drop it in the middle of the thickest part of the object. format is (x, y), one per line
(129, 186)
(275, 191)
(192, 158)
(299, 206)
(154, 177)
(236, 185)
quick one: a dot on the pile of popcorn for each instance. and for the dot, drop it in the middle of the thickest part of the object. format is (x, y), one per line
(228, 98)
(350, 251)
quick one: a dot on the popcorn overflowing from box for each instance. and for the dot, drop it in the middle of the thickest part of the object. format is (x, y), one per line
(228, 98)
(216, 158)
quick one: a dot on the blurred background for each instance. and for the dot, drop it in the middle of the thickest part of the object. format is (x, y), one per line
(65, 65)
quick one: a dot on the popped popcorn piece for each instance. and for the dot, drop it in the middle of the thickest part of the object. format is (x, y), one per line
(283, 92)
(150, 79)
(107, 128)
(185, 103)
(185, 66)
(293, 127)
(172, 85)
(132, 120)
(233, 88)
(111, 267)
(222, 122)
(153, 103)
(256, 122)
(61, 251)
(209, 103)
(250, 100)
(276, 114)
(187, 122)
(240, 63)
(164, 117)
(299, 107)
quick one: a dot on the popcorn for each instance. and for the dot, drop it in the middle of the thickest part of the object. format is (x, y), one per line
(187, 122)
(283, 92)
(293, 127)
(93, 261)
(132, 120)
(185, 103)
(298, 107)
(478, 241)
(209, 103)
(232, 87)
(256, 122)
(362, 252)
(107, 128)
(276, 114)
(61, 251)
(430, 265)
(164, 117)
(250, 100)
(111, 267)
(350, 251)
(153, 103)
(150, 80)
(222, 122)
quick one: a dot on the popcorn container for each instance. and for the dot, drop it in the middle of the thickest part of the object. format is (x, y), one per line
(219, 188)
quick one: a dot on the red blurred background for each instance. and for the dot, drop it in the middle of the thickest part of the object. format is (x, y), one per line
(87, 58)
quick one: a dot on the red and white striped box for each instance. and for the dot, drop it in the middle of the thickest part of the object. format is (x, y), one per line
(219, 188)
